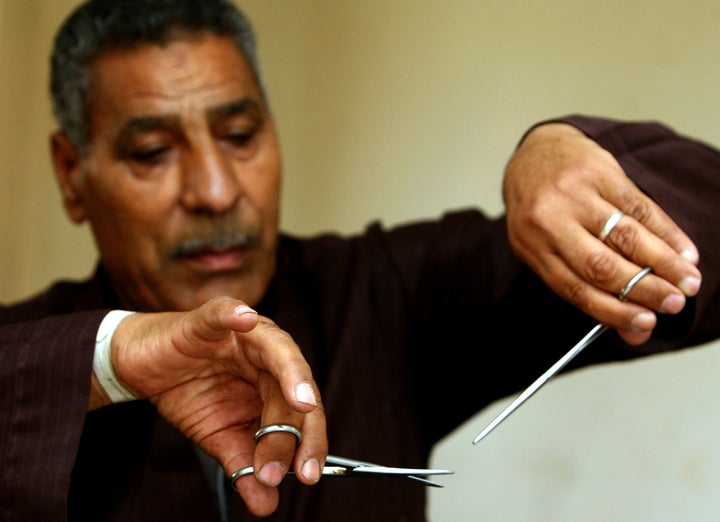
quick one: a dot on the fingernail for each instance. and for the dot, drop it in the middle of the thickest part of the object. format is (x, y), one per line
(691, 255)
(311, 470)
(673, 303)
(244, 309)
(305, 393)
(643, 322)
(272, 473)
(690, 285)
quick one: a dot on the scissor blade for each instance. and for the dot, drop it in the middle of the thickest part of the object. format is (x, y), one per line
(344, 461)
(425, 481)
(540, 381)
(352, 465)
(384, 470)
(409, 473)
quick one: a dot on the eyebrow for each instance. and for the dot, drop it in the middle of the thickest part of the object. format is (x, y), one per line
(171, 122)
(243, 106)
(147, 123)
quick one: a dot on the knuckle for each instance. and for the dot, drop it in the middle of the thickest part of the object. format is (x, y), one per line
(636, 206)
(575, 295)
(273, 333)
(626, 239)
(639, 209)
(599, 269)
(539, 210)
(538, 216)
(529, 212)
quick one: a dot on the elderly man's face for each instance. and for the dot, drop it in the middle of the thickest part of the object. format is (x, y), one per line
(182, 176)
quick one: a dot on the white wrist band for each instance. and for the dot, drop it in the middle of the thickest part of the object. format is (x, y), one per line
(102, 360)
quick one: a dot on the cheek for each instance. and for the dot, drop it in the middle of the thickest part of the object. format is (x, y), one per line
(129, 218)
(269, 201)
(125, 236)
(262, 187)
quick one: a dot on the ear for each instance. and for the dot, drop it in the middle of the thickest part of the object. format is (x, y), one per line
(67, 163)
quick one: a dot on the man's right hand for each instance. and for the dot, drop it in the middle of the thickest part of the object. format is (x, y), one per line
(218, 373)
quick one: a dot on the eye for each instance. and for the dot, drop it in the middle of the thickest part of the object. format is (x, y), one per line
(150, 155)
(239, 139)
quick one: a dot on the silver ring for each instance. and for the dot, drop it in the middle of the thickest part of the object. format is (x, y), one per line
(247, 470)
(635, 279)
(270, 428)
(610, 224)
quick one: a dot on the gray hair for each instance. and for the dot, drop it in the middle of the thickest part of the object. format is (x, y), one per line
(100, 25)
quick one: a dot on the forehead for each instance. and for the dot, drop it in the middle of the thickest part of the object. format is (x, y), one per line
(191, 74)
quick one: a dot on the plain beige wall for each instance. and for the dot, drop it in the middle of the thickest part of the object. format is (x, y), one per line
(398, 110)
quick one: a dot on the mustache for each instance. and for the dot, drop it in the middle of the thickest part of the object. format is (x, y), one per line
(214, 242)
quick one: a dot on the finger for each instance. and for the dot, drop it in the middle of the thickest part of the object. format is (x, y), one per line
(284, 362)
(589, 275)
(647, 236)
(587, 279)
(596, 264)
(607, 271)
(634, 338)
(311, 454)
(263, 347)
(260, 499)
(655, 241)
(603, 305)
(635, 242)
(275, 450)
(626, 197)
(216, 318)
(234, 448)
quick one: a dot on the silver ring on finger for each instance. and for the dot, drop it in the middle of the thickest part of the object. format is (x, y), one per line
(286, 428)
(247, 470)
(609, 225)
(635, 280)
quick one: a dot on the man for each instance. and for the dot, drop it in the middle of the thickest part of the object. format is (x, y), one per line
(168, 150)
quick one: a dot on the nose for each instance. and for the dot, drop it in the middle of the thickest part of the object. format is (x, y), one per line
(210, 183)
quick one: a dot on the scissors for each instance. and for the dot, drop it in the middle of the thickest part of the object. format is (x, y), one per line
(591, 336)
(344, 467)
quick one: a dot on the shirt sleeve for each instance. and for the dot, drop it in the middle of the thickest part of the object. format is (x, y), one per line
(45, 370)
